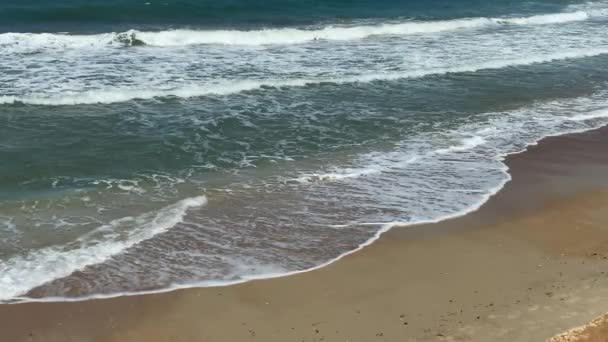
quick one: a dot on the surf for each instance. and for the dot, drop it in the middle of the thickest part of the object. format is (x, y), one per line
(23, 273)
(227, 87)
(280, 36)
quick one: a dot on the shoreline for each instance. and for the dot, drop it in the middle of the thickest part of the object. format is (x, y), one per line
(499, 261)
(385, 228)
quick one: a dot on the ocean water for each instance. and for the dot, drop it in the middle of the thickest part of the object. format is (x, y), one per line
(153, 145)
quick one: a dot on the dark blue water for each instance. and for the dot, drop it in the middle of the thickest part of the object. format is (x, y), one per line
(155, 145)
(104, 15)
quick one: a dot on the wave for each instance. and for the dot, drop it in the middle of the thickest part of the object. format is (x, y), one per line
(283, 36)
(106, 96)
(396, 162)
(543, 19)
(465, 144)
(298, 36)
(338, 175)
(22, 273)
(490, 132)
(602, 113)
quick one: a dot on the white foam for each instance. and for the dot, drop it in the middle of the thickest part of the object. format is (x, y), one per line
(56, 40)
(338, 175)
(22, 273)
(543, 19)
(465, 144)
(397, 160)
(593, 8)
(127, 185)
(287, 36)
(7, 224)
(283, 36)
(602, 113)
(380, 164)
(9, 234)
(106, 96)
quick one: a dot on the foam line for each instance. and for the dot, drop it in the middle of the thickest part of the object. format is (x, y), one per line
(107, 96)
(298, 36)
(20, 274)
(282, 36)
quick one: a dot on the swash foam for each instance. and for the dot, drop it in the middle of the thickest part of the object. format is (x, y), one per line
(231, 87)
(283, 36)
(22, 273)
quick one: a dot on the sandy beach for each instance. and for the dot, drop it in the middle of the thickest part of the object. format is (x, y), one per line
(530, 264)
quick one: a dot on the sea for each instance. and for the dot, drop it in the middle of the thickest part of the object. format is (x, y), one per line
(152, 145)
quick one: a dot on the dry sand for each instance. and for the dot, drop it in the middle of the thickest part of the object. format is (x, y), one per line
(595, 331)
(528, 265)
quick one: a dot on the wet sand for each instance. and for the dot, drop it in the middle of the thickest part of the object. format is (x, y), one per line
(531, 263)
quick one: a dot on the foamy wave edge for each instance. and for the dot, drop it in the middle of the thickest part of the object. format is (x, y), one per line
(231, 87)
(88, 251)
(282, 36)
(384, 227)
(465, 144)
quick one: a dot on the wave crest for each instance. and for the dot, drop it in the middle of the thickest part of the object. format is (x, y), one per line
(333, 33)
(106, 96)
(283, 36)
(20, 274)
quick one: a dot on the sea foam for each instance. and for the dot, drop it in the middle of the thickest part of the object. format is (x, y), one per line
(298, 36)
(227, 87)
(282, 36)
(22, 273)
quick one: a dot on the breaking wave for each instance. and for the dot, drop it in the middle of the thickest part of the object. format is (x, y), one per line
(236, 86)
(285, 36)
(22, 273)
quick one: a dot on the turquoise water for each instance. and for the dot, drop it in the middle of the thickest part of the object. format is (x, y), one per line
(201, 143)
